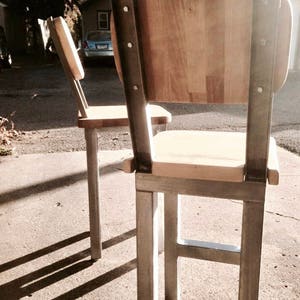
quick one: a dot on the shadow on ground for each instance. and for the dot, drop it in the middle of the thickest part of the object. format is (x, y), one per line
(28, 284)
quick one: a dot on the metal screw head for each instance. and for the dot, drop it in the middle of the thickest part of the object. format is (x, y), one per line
(259, 89)
(129, 45)
(125, 8)
(263, 42)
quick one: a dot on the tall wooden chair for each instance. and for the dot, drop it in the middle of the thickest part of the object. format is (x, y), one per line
(201, 52)
(91, 118)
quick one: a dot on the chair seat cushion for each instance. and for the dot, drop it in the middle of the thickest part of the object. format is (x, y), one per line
(205, 155)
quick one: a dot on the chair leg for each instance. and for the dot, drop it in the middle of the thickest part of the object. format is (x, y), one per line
(147, 245)
(252, 228)
(93, 187)
(161, 223)
(171, 236)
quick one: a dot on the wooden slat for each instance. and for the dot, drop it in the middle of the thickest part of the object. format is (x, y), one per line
(215, 42)
(248, 191)
(198, 51)
(237, 62)
(116, 115)
(63, 36)
(69, 58)
(81, 94)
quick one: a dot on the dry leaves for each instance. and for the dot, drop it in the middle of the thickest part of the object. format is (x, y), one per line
(7, 134)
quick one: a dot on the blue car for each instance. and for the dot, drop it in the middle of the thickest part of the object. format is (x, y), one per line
(97, 44)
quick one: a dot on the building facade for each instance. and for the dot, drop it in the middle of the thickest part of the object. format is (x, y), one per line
(96, 15)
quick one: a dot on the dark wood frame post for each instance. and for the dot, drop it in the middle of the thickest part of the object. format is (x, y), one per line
(131, 64)
(263, 53)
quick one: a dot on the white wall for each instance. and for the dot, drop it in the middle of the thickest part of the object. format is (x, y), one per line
(295, 43)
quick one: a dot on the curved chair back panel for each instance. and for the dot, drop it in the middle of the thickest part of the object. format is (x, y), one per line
(71, 59)
(199, 51)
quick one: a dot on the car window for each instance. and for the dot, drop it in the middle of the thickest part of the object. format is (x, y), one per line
(98, 36)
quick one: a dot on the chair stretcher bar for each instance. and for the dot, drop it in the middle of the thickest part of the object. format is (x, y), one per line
(209, 251)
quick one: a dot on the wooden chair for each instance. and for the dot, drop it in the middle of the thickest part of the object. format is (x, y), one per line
(207, 52)
(91, 118)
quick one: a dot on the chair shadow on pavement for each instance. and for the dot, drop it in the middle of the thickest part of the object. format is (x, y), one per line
(53, 184)
(28, 284)
(50, 274)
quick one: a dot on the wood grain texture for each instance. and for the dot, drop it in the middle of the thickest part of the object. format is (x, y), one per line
(215, 52)
(116, 115)
(231, 164)
(246, 190)
(59, 28)
(199, 50)
(206, 155)
(69, 58)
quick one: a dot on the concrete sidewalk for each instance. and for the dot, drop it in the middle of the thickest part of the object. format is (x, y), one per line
(44, 245)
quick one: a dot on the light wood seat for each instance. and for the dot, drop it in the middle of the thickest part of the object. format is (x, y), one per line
(116, 115)
(206, 155)
(92, 118)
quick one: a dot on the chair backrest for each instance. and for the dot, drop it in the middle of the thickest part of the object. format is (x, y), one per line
(221, 51)
(199, 51)
(69, 58)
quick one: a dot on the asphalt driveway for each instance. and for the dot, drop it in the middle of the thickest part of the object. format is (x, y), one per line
(39, 94)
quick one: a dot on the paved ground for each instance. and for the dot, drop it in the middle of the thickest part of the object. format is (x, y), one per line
(46, 112)
(44, 245)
